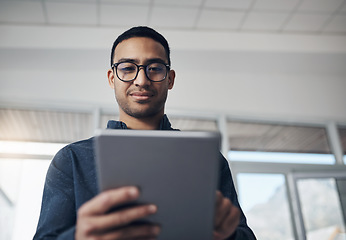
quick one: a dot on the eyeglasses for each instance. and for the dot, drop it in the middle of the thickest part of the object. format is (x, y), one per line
(128, 71)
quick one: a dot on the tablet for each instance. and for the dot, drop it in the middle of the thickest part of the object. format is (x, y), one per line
(175, 170)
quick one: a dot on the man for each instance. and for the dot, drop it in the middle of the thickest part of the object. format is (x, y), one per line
(140, 75)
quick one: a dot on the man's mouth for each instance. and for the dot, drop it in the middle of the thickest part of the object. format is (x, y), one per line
(141, 96)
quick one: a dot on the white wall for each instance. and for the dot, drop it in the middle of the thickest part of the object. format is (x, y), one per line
(270, 76)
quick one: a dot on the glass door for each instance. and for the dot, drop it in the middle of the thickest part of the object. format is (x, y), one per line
(319, 201)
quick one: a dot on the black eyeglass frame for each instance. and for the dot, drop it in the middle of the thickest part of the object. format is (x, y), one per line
(145, 67)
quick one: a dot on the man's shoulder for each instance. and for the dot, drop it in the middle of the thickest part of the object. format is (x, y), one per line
(83, 148)
(82, 144)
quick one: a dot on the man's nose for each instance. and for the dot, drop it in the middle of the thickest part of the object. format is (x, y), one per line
(141, 78)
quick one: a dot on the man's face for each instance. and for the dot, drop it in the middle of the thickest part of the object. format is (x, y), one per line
(140, 98)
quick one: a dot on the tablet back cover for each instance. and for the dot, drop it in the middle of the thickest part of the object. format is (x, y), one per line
(175, 170)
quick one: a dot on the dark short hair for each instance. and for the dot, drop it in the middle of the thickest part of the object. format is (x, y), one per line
(142, 31)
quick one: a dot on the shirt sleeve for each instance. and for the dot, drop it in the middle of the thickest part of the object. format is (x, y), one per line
(58, 211)
(227, 188)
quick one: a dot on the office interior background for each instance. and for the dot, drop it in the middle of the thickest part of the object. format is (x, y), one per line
(270, 75)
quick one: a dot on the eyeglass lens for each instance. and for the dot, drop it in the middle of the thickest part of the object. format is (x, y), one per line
(128, 71)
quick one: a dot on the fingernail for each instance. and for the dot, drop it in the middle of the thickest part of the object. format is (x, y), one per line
(152, 208)
(133, 192)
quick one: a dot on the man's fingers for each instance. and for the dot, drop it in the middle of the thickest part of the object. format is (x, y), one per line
(96, 220)
(123, 217)
(104, 223)
(105, 201)
(227, 217)
(222, 208)
(230, 223)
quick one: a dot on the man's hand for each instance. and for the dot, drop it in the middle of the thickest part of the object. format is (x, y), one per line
(94, 221)
(226, 217)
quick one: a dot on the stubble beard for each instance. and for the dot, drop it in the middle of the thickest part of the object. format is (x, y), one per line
(142, 112)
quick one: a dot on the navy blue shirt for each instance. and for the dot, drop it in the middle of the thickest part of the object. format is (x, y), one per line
(71, 181)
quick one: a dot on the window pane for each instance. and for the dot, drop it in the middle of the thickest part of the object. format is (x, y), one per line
(277, 138)
(32, 148)
(278, 143)
(44, 126)
(9, 182)
(21, 182)
(321, 209)
(264, 201)
(342, 133)
(302, 158)
(190, 124)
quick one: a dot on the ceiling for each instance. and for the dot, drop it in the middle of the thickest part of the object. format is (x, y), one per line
(287, 37)
(323, 17)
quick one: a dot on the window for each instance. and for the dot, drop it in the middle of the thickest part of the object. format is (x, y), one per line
(21, 186)
(190, 124)
(26, 137)
(342, 134)
(262, 156)
(271, 153)
(321, 208)
(22, 181)
(44, 126)
(264, 201)
(261, 142)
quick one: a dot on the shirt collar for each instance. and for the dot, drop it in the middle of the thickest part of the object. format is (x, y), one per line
(164, 124)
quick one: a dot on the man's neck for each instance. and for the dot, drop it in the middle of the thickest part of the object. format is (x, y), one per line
(150, 123)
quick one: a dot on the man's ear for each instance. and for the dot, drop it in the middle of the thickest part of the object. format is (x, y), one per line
(171, 77)
(110, 75)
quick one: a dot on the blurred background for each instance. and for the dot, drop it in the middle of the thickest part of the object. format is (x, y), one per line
(270, 75)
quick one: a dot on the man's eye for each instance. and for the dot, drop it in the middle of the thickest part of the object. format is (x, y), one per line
(127, 68)
(155, 69)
